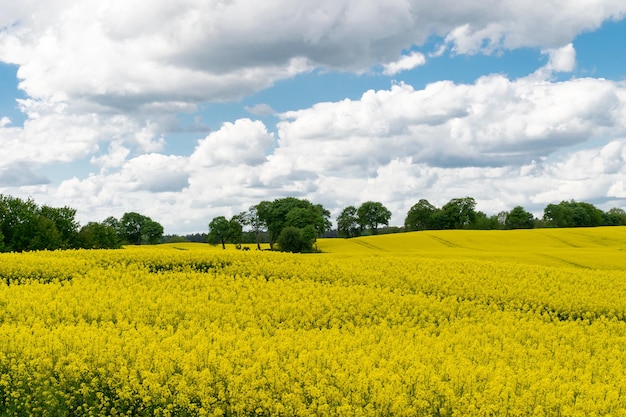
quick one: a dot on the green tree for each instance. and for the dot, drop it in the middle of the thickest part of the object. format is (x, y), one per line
(373, 214)
(518, 218)
(135, 229)
(296, 240)
(65, 222)
(484, 222)
(219, 230)
(151, 232)
(95, 235)
(235, 229)
(459, 213)
(130, 227)
(615, 217)
(17, 219)
(43, 235)
(572, 214)
(251, 219)
(420, 216)
(348, 222)
(275, 216)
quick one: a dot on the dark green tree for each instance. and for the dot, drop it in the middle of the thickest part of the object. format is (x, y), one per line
(65, 222)
(518, 218)
(420, 216)
(459, 213)
(235, 229)
(151, 232)
(135, 229)
(296, 240)
(219, 230)
(43, 235)
(348, 222)
(572, 214)
(95, 235)
(615, 217)
(372, 214)
(130, 227)
(17, 219)
(484, 222)
(275, 216)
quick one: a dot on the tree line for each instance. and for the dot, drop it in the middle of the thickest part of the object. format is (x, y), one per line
(287, 224)
(460, 213)
(26, 226)
(293, 225)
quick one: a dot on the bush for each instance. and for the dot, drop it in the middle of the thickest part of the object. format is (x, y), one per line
(291, 239)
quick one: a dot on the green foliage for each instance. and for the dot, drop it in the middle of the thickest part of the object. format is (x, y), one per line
(459, 213)
(348, 223)
(615, 217)
(219, 231)
(98, 236)
(518, 218)
(292, 212)
(572, 214)
(295, 240)
(137, 229)
(372, 214)
(420, 216)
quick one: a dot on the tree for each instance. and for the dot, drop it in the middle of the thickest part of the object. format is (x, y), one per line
(572, 214)
(518, 218)
(293, 212)
(348, 222)
(484, 222)
(615, 217)
(16, 222)
(151, 232)
(97, 236)
(420, 216)
(64, 221)
(130, 227)
(459, 213)
(235, 230)
(372, 214)
(136, 229)
(43, 235)
(219, 230)
(291, 240)
(251, 219)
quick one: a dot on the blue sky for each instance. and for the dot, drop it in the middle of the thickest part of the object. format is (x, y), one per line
(187, 112)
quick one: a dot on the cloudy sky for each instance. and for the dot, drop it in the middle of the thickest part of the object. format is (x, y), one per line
(192, 109)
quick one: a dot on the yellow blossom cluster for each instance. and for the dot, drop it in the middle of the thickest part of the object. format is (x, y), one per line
(188, 330)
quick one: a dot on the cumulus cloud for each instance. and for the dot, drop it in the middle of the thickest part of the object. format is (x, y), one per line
(104, 81)
(240, 143)
(405, 63)
(113, 53)
(493, 122)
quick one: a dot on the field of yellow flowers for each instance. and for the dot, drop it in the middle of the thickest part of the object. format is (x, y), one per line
(454, 323)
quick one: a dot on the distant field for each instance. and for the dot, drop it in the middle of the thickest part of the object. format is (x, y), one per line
(600, 247)
(449, 323)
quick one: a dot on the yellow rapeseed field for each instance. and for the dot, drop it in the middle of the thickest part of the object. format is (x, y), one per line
(453, 323)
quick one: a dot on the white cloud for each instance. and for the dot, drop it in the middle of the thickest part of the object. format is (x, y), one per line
(493, 122)
(105, 80)
(114, 53)
(562, 59)
(241, 143)
(405, 63)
